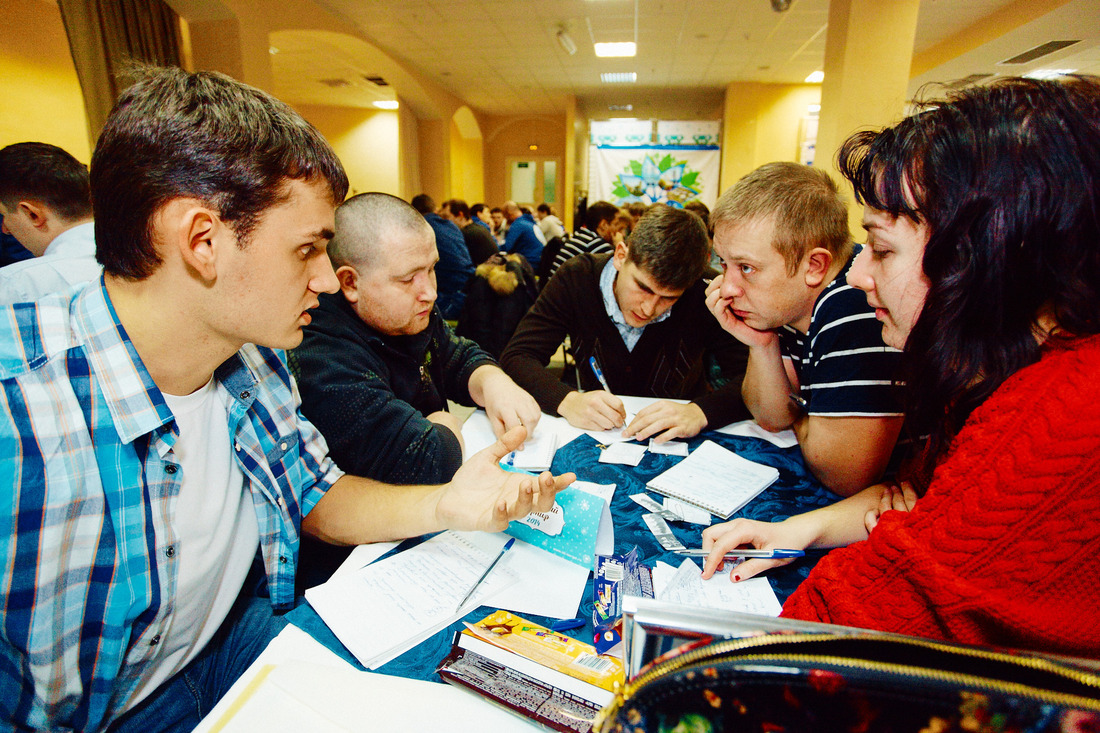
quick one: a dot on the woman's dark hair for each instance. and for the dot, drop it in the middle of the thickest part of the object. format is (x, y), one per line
(1005, 178)
(176, 134)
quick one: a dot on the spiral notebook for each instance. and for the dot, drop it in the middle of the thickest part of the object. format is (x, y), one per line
(715, 478)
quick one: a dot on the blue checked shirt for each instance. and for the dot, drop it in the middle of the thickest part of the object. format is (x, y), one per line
(88, 486)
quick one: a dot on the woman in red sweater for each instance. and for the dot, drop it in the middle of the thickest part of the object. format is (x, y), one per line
(983, 263)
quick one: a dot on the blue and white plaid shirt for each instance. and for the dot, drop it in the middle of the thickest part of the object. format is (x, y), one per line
(88, 485)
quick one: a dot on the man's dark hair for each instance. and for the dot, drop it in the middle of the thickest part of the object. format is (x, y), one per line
(496, 210)
(458, 207)
(637, 209)
(47, 174)
(597, 212)
(544, 208)
(206, 136)
(1006, 178)
(424, 203)
(671, 245)
(477, 209)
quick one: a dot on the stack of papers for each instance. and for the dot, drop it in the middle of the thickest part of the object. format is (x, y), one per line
(390, 606)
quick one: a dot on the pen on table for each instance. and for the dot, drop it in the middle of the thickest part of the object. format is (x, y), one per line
(493, 564)
(747, 552)
(599, 374)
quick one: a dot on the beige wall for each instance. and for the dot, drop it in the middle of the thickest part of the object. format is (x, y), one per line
(367, 142)
(509, 137)
(467, 167)
(40, 97)
(762, 123)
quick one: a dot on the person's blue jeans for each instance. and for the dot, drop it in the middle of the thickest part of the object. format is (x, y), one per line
(185, 699)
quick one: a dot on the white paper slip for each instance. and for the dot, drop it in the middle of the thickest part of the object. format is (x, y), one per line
(647, 503)
(391, 605)
(687, 586)
(714, 478)
(687, 512)
(750, 429)
(671, 448)
(626, 454)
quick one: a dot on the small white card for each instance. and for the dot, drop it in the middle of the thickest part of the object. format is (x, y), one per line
(671, 448)
(626, 454)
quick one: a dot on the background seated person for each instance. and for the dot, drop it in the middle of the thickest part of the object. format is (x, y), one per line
(641, 314)
(593, 237)
(378, 363)
(982, 262)
(521, 238)
(782, 234)
(455, 268)
(45, 202)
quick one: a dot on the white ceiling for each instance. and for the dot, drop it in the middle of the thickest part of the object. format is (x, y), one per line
(502, 57)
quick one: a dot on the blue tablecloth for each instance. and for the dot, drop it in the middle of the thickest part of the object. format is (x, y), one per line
(796, 491)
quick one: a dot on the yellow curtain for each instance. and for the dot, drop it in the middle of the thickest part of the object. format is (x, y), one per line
(105, 36)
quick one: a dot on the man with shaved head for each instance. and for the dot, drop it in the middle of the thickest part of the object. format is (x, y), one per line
(378, 363)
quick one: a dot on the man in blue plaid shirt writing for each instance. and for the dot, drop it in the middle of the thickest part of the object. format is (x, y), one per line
(150, 443)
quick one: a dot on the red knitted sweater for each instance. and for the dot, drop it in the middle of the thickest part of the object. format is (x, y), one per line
(1004, 549)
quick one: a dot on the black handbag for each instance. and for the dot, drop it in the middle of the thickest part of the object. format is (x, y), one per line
(796, 676)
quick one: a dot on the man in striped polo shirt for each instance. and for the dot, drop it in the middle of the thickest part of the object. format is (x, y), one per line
(817, 362)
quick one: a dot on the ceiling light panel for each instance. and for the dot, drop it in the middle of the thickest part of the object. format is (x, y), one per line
(619, 77)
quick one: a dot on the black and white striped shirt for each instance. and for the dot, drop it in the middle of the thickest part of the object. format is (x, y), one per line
(844, 368)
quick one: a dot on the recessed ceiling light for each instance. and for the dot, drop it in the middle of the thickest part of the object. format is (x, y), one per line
(609, 50)
(619, 77)
(816, 77)
(385, 104)
(814, 109)
(1048, 73)
(272, 50)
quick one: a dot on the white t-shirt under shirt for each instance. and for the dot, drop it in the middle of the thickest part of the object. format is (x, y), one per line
(216, 526)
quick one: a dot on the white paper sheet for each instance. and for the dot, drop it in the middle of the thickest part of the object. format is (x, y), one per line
(391, 605)
(626, 454)
(299, 696)
(687, 586)
(668, 448)
(292, 644)
(362, 556)
(750, 429)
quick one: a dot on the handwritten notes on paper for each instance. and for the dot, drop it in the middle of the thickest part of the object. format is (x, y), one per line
(687, 586)
(391, 605)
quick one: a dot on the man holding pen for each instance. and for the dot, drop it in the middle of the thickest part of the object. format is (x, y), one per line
(641, 315)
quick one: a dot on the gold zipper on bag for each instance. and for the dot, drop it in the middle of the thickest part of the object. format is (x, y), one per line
(716, 651)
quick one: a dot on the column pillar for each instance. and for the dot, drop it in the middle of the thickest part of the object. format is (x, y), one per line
(868, 52)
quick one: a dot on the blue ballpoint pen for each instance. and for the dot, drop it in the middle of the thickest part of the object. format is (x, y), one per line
(599, 374)
(747, 552)
(507, 546)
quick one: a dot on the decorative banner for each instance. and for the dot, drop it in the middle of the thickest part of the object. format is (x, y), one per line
(693, 132)
(620, 132)
(672, 175)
